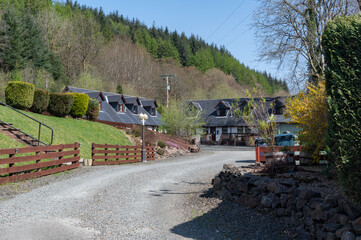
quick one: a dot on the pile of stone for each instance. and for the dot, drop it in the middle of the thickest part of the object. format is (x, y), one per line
(311, 214)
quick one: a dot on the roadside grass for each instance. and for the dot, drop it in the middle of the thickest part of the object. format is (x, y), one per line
(66, 130)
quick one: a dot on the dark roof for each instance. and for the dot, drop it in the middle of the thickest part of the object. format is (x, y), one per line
(209, 111)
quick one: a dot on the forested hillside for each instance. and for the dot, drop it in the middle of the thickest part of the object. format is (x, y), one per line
(54, 44)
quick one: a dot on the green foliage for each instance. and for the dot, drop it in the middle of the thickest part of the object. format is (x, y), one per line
(161, 144)
(80, 105)
(60, 104)
(119, 89)
(180, 120)
(19, 94)
(92, 112)
(342, 46)
(41, 101)
(203, 60)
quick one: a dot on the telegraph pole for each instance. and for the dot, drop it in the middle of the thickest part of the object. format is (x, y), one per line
(166, 77)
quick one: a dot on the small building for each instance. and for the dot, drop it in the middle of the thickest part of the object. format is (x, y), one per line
(223, 127)
(121, 110)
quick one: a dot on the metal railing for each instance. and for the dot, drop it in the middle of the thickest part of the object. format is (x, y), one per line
(26, 134)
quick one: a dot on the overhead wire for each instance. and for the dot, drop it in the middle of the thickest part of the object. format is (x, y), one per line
(239, 5)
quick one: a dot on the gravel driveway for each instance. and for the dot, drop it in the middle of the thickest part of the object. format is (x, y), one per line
(162, 199)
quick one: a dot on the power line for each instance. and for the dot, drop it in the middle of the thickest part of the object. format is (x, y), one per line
(237, 37)
(234, 28)
(226, 19)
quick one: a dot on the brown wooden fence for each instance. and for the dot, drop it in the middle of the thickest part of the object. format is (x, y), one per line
(104, 154)
(31, 162)
(291, 152)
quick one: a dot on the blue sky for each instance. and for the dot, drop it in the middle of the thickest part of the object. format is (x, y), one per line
(222, 22)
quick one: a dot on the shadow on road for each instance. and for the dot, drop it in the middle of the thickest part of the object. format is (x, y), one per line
(229, 221)
(245, 161)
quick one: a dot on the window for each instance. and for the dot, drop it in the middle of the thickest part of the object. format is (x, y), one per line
(152, 111)
(222, 112)
(240, 130)
(248, 130)
(278, 110)
(121, 108)
(100, 106)
(135, 109)
(224, 130)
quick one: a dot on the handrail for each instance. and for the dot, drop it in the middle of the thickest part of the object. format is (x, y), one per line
(40, 124)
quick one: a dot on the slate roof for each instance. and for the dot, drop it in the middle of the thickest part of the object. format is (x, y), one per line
(209, 111)
(109, 114)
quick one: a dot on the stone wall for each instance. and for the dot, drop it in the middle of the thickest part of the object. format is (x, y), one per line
(311, 214)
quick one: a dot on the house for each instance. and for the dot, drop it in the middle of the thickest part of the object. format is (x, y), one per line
(121, 110)
(223, 127)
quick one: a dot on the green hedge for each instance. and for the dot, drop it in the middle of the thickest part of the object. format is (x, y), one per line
(60, 104)
(19, 94)
(342, 46)
(41, 101)
(80, 105)
(92, 112)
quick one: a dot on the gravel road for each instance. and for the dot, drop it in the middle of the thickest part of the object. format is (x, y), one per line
(162, 199)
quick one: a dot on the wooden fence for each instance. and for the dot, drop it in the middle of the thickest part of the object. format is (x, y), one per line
(31, 162)
(292, 153)
(104, 154)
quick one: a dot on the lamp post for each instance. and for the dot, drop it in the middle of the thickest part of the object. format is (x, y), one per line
(143, 117)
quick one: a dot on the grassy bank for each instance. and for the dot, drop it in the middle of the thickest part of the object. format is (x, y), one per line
(66, 130)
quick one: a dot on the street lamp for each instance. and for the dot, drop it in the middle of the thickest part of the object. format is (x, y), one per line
(143, 117)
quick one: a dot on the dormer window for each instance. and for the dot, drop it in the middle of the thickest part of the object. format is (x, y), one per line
(121, 108)
(222, 112)
(100, 106)
(278, 108)
(222, 108)
(135, 109)
(152, 111)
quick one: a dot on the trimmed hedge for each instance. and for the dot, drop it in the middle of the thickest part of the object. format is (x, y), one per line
(60, 104)
(41, 101)
(92, 112)
(80, 105)
(19, 94)
(342, 46)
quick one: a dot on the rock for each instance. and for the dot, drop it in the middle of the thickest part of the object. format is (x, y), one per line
(231, 168)
(271, 187)
(330, 236)
(266, 202)
(289, 182)
(356, 225)
(339, 232)
(283, 198)
(262, 182)
(331, 227)
(216, 183)
(329, 216)
(351, 210)
(300, 203)
(358, 238)
(224, 193)
(281, 189)
(303, 235)
(307, 194)
(348, 236)
(343, 219)
(307, 211)
(315, 202)
(243, 187)
(275, 202)
(320, 235)
(316, 214)
(280, 212)
(332, 201)
(253, 179)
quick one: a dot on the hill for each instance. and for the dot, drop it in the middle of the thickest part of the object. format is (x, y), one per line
(53, 44)
(66, 130)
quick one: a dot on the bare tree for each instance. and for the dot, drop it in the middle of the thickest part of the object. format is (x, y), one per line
(291, 33)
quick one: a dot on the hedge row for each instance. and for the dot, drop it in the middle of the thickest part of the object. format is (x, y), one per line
(342, 46)
(23, 95)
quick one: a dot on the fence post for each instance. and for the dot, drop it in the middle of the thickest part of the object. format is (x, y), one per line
(93, 148)
(11, 164)
(106, 154)
(117, 153)
(77, 145)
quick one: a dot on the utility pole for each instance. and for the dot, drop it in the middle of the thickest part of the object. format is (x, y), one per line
(166, 77)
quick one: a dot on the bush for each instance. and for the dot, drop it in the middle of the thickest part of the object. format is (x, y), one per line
(161, 144)
(92, 112)
(19, 94)
(341, 43)
(80, 105)
(60, 104)
(41, 101)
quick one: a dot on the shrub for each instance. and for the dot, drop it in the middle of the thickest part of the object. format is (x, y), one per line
(92, 112)
(341, 43)
(41, 101)
(160, 151)
(60, 104)
(19, 94)
(161, 144)
(80, 105)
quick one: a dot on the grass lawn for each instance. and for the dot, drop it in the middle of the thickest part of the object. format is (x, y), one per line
(66, 130)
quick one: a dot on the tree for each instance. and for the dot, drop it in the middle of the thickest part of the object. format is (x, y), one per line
(182, 121)
(309, 111)
(290, 33)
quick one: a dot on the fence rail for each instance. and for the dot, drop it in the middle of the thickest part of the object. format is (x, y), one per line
(32, 162)
(291, 152)
(104, 154)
